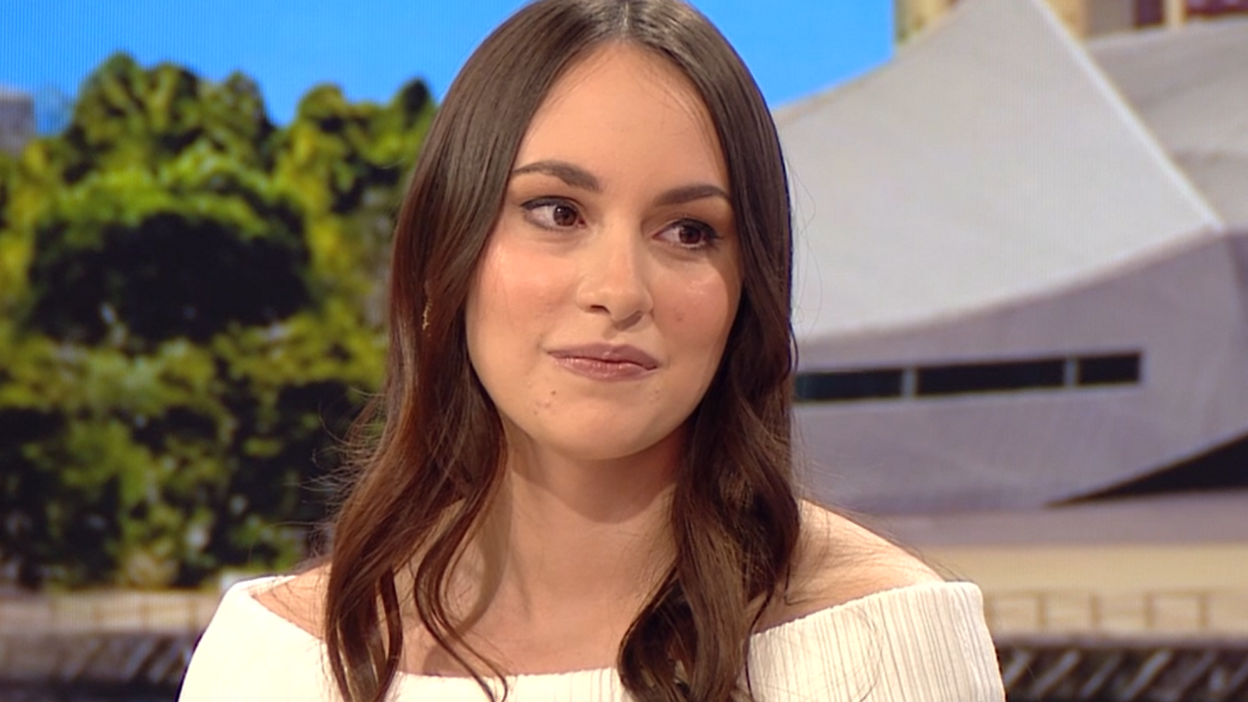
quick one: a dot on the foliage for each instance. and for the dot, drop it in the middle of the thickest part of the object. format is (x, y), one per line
(188, 319)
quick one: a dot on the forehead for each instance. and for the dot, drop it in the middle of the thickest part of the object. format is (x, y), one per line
(621, 99)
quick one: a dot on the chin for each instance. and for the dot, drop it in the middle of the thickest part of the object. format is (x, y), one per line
(603, 444)
(591, 451)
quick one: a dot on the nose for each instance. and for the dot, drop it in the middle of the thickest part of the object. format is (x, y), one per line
(613, 277)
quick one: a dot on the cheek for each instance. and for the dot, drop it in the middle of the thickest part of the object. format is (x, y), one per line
(513, 289)
(703, 311)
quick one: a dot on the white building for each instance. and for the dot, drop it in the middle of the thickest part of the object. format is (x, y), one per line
(17, 119)
(1008, 291)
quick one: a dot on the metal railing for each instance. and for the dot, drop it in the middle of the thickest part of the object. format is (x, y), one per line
(1105, 670)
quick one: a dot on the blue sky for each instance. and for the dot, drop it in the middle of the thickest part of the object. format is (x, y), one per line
(371, 47)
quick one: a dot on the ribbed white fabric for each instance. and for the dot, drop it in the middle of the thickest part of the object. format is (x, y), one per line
(926, 643)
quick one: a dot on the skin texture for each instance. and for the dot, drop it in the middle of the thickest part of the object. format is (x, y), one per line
(614, 231)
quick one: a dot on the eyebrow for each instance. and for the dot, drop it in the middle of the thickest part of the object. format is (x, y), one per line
(574, 176)
(689, 193)
(578, 177)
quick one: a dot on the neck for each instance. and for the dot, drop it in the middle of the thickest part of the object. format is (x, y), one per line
(567, 535)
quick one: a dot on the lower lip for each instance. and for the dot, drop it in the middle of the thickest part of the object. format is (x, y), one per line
(598, 369)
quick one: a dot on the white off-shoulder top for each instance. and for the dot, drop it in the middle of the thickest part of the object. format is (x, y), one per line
(925, 643)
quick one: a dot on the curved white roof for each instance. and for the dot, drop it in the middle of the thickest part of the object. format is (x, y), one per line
(990, 160)
(1190, 85)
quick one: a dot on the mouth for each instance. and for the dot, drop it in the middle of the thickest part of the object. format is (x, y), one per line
(605, 361)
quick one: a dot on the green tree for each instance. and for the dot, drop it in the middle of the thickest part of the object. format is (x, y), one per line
(189, 301)
(127, 117)
(186, 252)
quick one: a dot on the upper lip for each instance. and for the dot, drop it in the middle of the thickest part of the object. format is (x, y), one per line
(609, 353)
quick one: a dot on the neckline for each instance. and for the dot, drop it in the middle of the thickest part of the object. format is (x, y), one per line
(246, 590)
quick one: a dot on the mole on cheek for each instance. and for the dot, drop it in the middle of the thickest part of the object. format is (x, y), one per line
(548, 402)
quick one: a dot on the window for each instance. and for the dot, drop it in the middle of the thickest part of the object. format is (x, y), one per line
(1120, 369)
(967, 378)
(842, 386)
(1049, 374)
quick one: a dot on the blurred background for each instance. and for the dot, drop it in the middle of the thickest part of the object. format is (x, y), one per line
(1022, 241)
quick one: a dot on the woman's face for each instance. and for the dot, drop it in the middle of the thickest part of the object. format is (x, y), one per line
(603, 300)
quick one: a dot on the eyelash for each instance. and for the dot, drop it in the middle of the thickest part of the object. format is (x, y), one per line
(710, 237)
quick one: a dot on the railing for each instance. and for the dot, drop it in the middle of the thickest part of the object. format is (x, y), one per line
(1055, 646)
(139, 642)
(135, 662)
(1107, 670)
(1024, 611)
(129, 612)
(1148, 646)
(1178, 612)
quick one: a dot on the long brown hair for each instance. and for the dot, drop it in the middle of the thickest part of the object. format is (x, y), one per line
(435, 440)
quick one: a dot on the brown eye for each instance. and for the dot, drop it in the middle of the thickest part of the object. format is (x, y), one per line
(563, 215)
(690, 234)
(552, 214)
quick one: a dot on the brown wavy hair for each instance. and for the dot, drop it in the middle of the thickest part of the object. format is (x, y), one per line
(435, 442)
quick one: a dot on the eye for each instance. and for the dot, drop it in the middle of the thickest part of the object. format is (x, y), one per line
(690, 234)
(549, 213)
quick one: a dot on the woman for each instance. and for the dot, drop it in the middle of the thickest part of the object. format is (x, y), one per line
(579, 484)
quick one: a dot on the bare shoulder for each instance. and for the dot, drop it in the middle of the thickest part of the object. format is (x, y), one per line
(299, 599)
(838, 560)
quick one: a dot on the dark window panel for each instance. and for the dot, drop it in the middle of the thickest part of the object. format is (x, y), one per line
(1118, 369)
(990, 377)
(843, 386)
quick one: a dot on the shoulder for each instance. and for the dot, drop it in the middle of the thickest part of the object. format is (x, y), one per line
(838, 561)
(862, 618)
(299, 599)
(250, 651)
(920, 642)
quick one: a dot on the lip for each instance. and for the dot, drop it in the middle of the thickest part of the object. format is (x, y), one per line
(605, 361)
